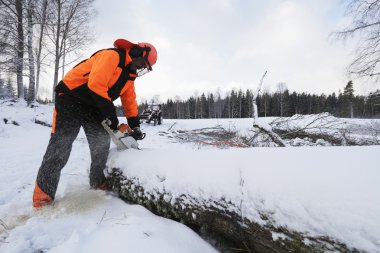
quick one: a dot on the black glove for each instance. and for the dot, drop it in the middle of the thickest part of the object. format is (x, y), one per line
(133, 122)
(137, 134)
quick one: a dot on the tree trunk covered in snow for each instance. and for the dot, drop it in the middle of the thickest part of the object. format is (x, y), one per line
(216, 221)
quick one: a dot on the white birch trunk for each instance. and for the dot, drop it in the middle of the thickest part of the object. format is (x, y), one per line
(39, 50)
(20, 49)
(254, 103)
(32, 78)
(57, 46)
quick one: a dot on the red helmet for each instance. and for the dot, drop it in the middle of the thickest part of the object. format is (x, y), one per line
(123, 44)
(152, 56)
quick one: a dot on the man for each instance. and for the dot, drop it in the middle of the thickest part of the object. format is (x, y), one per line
(84, 99)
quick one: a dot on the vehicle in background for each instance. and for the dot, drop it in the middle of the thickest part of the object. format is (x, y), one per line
(152, 114)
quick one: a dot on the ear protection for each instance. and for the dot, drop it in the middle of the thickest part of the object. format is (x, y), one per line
(136, 51)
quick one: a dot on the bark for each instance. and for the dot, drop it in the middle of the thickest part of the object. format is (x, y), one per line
(69, 30)
(218, 221)
(272, 135)
(57, 54)
(325, 127)
(254, 100)
(20, 49)
(32, 77)
(39, 50)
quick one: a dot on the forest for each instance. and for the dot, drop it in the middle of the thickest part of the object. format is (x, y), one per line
(281, 103)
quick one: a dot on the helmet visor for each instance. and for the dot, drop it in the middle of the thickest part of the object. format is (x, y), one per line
(143, 71)
(143, 64)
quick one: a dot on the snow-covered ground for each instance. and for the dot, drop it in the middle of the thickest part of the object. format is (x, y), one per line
(331, 191)
(81, 220)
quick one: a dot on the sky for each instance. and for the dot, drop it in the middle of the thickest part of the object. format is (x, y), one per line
(206, 46)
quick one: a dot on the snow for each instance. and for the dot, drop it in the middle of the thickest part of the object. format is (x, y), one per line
(81, 220)
(316, 190)
(329, 191)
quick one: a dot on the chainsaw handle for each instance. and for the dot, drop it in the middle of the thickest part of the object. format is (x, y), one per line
(138, 137)
(142, 136)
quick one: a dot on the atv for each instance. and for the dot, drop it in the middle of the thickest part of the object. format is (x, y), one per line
(152, 113)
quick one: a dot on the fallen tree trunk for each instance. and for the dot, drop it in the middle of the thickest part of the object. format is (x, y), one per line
(335, 131)
(219, 221)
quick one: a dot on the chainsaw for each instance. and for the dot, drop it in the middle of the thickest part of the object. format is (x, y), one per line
(122, 140)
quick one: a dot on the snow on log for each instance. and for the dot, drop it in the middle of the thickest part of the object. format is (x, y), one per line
(212, 219)
(246, 201)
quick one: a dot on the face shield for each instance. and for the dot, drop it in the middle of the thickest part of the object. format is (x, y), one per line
(142, 64)
(143, 71)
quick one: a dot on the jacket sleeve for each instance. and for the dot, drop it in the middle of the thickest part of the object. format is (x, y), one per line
(102, 70)
(128, 100)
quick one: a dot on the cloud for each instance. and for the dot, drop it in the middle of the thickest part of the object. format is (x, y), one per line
(203, 45)
(291, 42)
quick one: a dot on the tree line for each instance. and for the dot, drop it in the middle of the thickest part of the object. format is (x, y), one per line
(281, 103)
(35, 34)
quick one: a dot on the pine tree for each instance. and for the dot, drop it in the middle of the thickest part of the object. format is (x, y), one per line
(211, 106)
(204, 109)
(348, 99)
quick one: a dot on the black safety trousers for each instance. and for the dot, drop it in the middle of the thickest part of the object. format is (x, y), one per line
(72, 114)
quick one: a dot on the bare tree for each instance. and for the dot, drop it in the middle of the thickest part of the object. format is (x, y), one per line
(155, 99)
(41, 14)
(365, 26)
(32, 76)
(12, 39)
(7, 33)
(20, 48)
(68, 29)
(281, 88)
(265, 100)
(254, 103)
(177, 100)
(218, 104)
(196, 104)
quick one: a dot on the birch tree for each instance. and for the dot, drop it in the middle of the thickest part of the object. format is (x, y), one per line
(12, 40)
(41, 14)
(31, 62)
(254, 98)
(365, 26)
(68, 30)
(281, 89)
(218, 104)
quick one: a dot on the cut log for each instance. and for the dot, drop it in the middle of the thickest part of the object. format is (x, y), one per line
(219, 221)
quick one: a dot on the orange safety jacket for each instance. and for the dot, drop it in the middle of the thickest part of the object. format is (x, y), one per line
(101, 79)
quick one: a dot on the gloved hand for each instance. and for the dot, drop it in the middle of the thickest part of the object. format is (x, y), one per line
(137, 134)
(124, 128)
(113, 122)
(123, 131)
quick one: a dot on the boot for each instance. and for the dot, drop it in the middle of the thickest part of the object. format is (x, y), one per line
(40, 198)
(103, 186)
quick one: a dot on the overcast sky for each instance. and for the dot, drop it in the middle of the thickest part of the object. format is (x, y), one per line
(204, 45)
